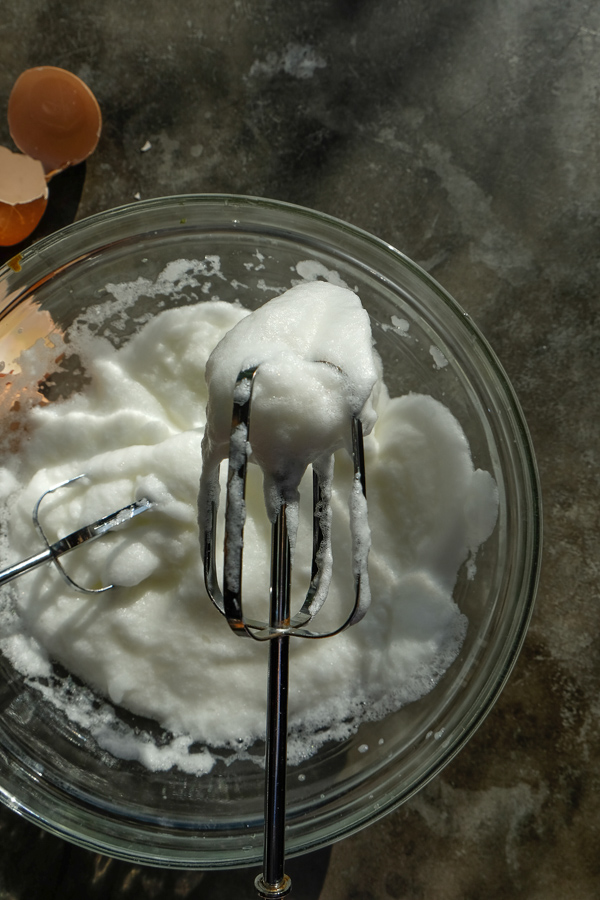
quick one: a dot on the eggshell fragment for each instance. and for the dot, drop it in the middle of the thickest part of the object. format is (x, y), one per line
(23, 196)
(54, 117)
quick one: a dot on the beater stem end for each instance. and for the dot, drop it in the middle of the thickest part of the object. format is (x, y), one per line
(272, 891)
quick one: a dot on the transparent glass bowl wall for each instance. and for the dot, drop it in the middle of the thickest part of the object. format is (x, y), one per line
(52, 772)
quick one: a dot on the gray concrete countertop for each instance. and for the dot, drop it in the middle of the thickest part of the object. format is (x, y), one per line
(466, 134)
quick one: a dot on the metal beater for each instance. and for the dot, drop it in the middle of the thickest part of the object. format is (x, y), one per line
(71, 541)
(273, 882)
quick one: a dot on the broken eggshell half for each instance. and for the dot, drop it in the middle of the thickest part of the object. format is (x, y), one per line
(23, 196)
(54, 117)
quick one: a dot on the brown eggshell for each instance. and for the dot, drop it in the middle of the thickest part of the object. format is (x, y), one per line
(54, 117)
(23, 196)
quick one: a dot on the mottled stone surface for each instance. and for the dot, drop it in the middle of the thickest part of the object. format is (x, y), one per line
(466, 133)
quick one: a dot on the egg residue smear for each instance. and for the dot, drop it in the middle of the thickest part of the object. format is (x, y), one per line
(156, 645)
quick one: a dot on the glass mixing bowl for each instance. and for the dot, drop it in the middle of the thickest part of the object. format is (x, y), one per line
(51, 771)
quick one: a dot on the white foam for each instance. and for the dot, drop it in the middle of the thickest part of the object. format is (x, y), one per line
(157, 646)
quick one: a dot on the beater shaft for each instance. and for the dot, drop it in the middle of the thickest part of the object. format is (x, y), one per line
(273, 883)
(26, 565)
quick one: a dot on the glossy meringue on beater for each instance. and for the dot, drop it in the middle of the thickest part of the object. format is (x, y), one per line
(317, 369)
